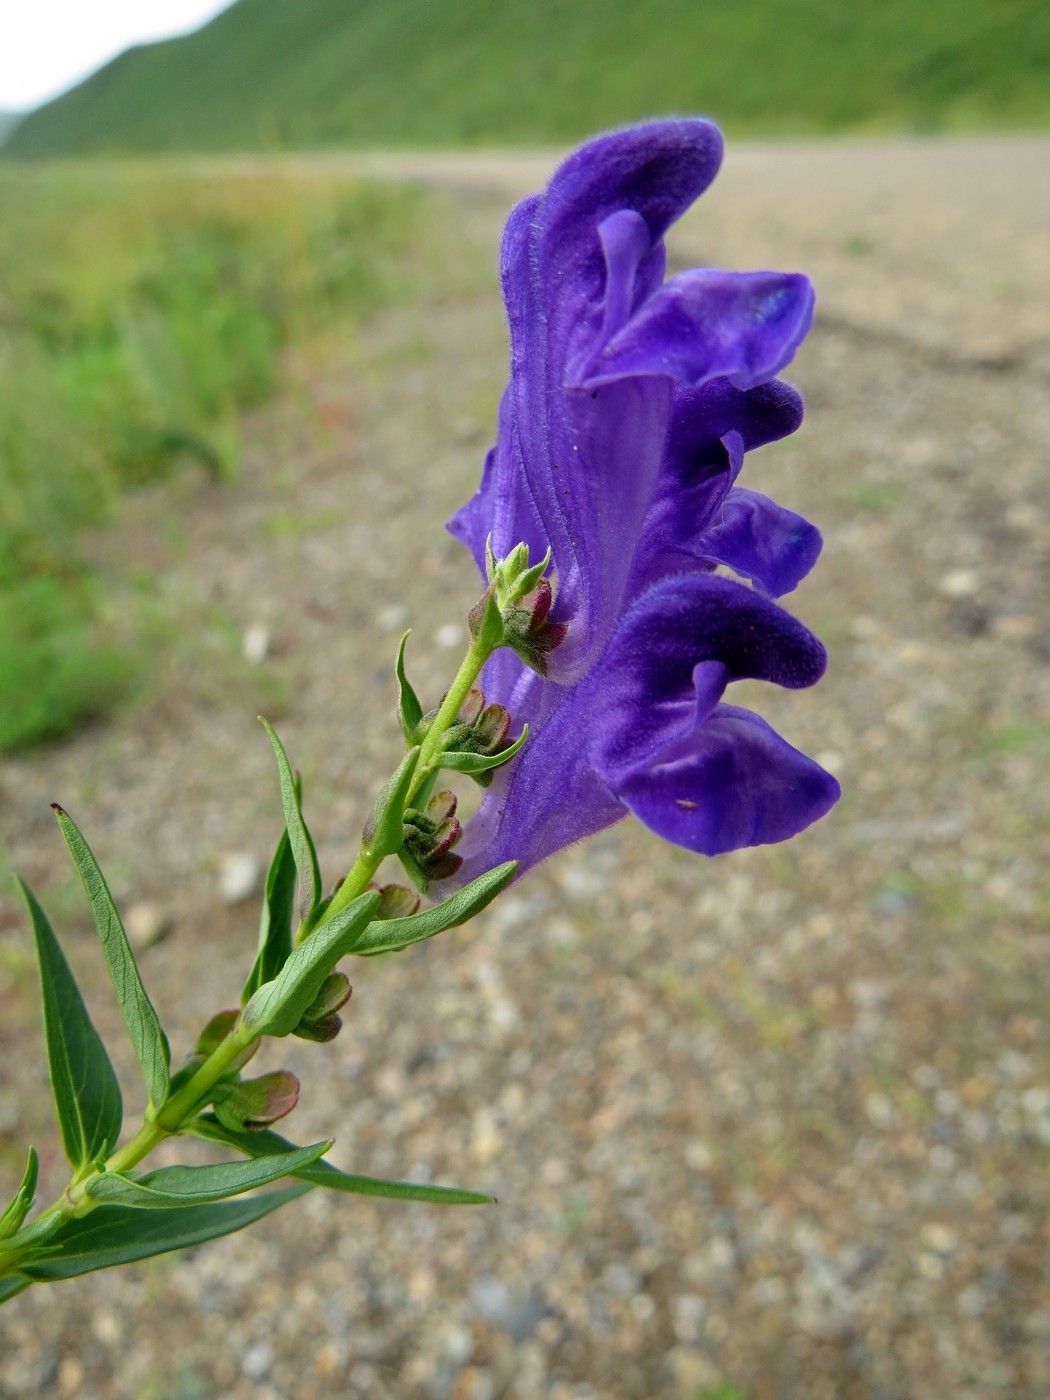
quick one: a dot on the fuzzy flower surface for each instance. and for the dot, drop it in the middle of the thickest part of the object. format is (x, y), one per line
(631, 402)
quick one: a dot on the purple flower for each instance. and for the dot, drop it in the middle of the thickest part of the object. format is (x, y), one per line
(622, 430)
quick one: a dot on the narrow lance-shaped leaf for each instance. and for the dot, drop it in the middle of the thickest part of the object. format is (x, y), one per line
(140, 1017)
(409, 710)
(86, 1092)
(459, 761)
(303, 850)
(182, 1187)
(387, 935)
(384, 833)
(275, 925)
(121, 1235)
(22, 1202)
(269, 1143)
(278, 1006)
(12, 1286)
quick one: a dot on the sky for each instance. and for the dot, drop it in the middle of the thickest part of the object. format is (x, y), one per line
(48, 45)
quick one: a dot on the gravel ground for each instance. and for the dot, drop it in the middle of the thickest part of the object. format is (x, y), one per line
(777, 1122)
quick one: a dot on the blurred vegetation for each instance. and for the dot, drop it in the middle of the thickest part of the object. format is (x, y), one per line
(266, 74)
(140, 311)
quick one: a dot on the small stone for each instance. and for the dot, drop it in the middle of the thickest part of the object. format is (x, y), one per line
(257, 1361)
(1016, 627)
(255, 645)
(146, 923)
(642, 1306)
(474, 1383)
(486, 1140)
(70, 1375)
(456, 1344)
(692, 1372)
(449, 636)
(239, 876)
(972, 1301)
(392, 618)
(960, 583)
(107, 1327)
(879, 1110)
(1036, 1101)
(1023, 515)
(939, 1238)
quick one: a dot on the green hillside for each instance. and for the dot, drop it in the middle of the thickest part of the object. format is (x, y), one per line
(272, 74)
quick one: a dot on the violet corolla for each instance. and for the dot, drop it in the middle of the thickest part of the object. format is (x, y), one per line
(630, 405)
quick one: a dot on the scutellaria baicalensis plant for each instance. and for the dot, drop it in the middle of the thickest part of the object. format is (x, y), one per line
(600, 650)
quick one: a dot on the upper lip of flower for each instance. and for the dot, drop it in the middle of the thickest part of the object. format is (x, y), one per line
(630, 404)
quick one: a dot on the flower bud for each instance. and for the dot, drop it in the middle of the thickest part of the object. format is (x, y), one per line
(256, 1103)
(320, 1020)
(395, 902)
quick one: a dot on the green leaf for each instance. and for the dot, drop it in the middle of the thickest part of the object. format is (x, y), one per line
(485, 621)
(527, 581)
(11, 1287)
(86, 1092)
(22, 1202)
(303, 850)
(390, 934)
(275, 926)
(149, 1040)
(121, 1235)
(409, 710)
(384, 833)
(181, 1187)
(458, 761)
(324, 1174)
(278, 1006)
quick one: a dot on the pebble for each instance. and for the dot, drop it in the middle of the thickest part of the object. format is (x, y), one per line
(240, 877)
(147, 923)
(255, 644)
(960, 583)
(257, 1361)
(450, 635)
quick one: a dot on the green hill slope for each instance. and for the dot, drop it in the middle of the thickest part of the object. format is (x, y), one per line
(269, 74)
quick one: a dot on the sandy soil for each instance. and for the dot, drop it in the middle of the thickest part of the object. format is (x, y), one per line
(777, 1122)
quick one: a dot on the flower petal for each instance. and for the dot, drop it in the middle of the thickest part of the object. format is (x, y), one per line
(745, 326)
(733, 782)
(646, 676)
(588, 465)
(764, 542)
(549, 796)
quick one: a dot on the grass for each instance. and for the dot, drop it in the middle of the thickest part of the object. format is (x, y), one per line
(269, 75)
(142, 310)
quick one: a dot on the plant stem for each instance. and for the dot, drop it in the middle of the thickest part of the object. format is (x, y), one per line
(75, 1200)
(469, 671)
(367, 863)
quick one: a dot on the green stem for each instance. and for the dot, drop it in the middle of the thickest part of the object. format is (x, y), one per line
(187, 1101)
(363, 870)
(172, 1118)
(458, 691)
